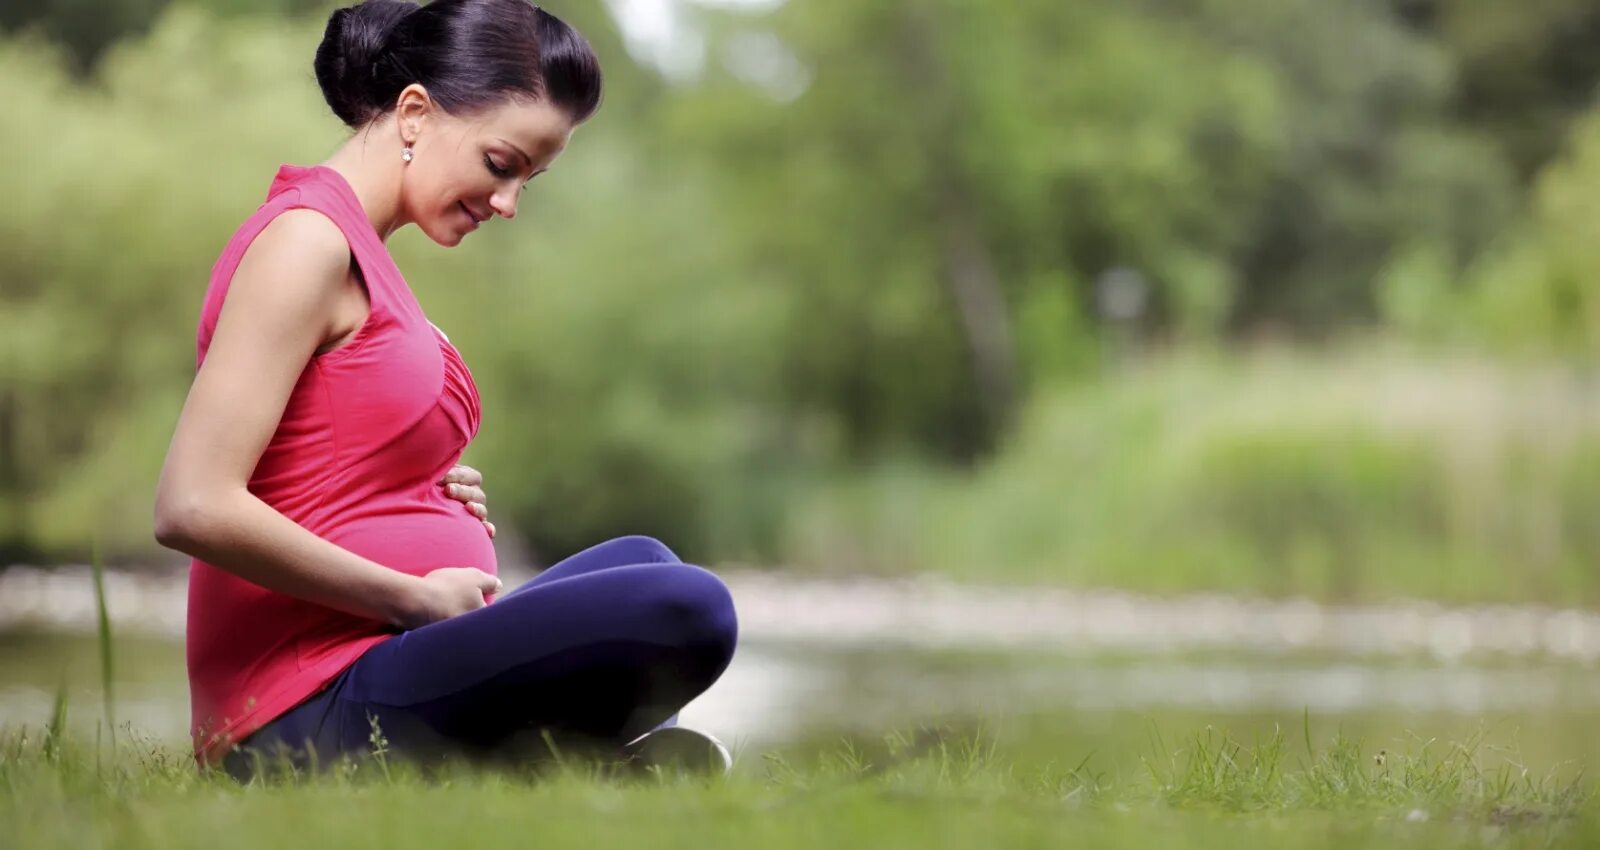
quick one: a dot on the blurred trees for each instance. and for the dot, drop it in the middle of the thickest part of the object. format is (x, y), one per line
(864, 230)
(87, 28)
(951, 169)
(84, 27)
(1525, 69)
(113, 218)
(1539, 292)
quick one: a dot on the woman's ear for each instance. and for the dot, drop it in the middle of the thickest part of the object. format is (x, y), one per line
(412, 110)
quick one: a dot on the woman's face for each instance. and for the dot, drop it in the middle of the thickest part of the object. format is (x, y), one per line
(466, 170)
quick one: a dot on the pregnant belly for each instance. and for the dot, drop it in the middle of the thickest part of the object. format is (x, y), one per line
(415, 537)
(420, 537)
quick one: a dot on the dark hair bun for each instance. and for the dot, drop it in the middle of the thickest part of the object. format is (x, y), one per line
(469, 54)
(352, 46)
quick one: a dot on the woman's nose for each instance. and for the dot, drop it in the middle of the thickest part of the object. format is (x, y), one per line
(504, 202)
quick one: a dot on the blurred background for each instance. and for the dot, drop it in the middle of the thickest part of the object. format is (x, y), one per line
(1089, 364)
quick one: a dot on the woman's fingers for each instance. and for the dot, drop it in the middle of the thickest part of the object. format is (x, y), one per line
(462, 482)
(487, 583)
(462, 474)
(466, 493)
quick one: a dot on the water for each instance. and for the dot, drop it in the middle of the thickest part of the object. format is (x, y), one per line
(1049, 705)
(1052, 673)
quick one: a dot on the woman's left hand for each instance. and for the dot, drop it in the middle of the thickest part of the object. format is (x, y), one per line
(465, 483)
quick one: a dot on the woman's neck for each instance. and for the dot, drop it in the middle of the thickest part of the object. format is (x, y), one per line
(370, 162)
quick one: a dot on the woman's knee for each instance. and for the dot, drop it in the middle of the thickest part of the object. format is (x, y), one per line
(700, 609)
(638, 549)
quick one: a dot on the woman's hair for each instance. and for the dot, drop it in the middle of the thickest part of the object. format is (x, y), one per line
(469, 54)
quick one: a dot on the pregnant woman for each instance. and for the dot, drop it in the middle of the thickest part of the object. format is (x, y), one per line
(343, 573)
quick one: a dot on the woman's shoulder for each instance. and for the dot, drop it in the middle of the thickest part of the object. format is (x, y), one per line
(298, 255)
(283, 224)
(306, 232)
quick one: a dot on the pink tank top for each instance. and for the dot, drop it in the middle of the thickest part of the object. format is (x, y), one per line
(368, 430)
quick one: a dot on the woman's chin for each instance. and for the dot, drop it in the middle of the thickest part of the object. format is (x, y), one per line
(448, 236)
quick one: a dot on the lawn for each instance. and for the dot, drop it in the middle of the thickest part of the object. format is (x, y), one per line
(928, 787)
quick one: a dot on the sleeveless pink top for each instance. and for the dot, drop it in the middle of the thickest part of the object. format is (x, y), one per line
(368, 430)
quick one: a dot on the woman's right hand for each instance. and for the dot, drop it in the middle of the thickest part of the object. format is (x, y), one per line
(446, 592)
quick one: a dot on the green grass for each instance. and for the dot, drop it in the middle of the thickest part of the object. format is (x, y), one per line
(917, 789)
(108, 669)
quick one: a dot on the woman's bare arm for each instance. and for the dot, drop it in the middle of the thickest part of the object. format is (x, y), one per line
(279, 309)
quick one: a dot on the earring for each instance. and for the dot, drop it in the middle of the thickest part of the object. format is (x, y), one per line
(405, 154)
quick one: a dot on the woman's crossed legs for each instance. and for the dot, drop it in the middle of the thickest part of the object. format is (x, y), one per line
(598, 649)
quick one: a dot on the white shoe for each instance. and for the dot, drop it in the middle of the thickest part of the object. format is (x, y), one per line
(676, 749)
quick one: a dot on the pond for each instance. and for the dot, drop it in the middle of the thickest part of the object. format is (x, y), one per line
(1040, 707)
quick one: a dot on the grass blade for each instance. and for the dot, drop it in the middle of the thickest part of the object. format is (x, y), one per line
(107, 667)
(57, 728)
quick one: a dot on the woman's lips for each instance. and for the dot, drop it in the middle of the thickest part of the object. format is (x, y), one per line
(469, 214)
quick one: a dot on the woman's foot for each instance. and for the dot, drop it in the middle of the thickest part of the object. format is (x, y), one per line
(674, 749)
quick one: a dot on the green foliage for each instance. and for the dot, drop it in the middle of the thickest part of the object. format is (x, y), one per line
(1375, 476)
(1308, 509)
(86, 28)
(1258, 163)
(869, 235)
(101, 292)
(1526, 70)
(1539, 293)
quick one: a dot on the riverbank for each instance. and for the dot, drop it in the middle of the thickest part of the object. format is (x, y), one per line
(936, 613)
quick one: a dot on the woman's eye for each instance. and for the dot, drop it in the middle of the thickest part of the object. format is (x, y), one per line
(494, 169)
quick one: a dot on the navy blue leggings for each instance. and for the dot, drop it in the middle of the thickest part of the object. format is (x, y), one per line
(597, 650)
